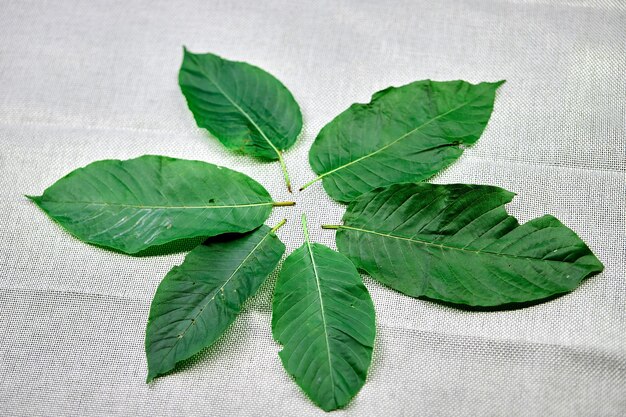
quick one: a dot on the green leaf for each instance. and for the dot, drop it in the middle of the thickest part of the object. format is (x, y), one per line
(246, 108)
(324, 318)
(152, 200)
(456, 243)
(405, 134)
(197, 301)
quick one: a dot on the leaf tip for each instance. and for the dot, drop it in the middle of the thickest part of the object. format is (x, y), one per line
(187, 52)
(598, 265)
(34, 198)
(153, 373)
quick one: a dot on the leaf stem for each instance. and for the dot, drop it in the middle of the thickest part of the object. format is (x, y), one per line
(278, 226)
(284, 169)
(331, 226)
(306, 231)
(283, 203)
(310, 183)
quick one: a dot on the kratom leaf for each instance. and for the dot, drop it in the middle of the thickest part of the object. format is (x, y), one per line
(324, 318)
(405, 134)
(152, 200)
(197, 301)
(244, 107)
(456, 243)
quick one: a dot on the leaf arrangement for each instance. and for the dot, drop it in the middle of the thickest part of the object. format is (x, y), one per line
(454, 243)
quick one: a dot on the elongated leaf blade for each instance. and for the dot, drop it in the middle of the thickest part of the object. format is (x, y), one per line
(197, 301)
(404, 134)
(244, 107)
(456, 243)
(151, 200)
(324, 318)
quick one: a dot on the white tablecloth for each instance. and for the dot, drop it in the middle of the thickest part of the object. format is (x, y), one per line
(84, 81)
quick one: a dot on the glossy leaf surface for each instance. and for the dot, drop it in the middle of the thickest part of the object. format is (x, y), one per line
(456, 243)
(197, 301)
(152, 200)
(404, 134)
(246, 108)
(324, 318)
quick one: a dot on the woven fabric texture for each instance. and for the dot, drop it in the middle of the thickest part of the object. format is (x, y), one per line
(84, 81)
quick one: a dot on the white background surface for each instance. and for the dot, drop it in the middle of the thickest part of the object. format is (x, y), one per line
(86, 81)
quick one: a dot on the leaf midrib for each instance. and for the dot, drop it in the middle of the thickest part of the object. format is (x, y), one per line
(319, 292)
(442, 246)
(396, 141)
(155, 207)
(215, 293)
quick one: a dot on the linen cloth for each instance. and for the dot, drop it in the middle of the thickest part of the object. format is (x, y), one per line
(84, 81)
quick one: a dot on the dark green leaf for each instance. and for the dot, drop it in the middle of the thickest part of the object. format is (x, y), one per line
(457, 243)
(246, 108)
(197, 301)
(405, 134)
(151, 200)
(324, 318)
